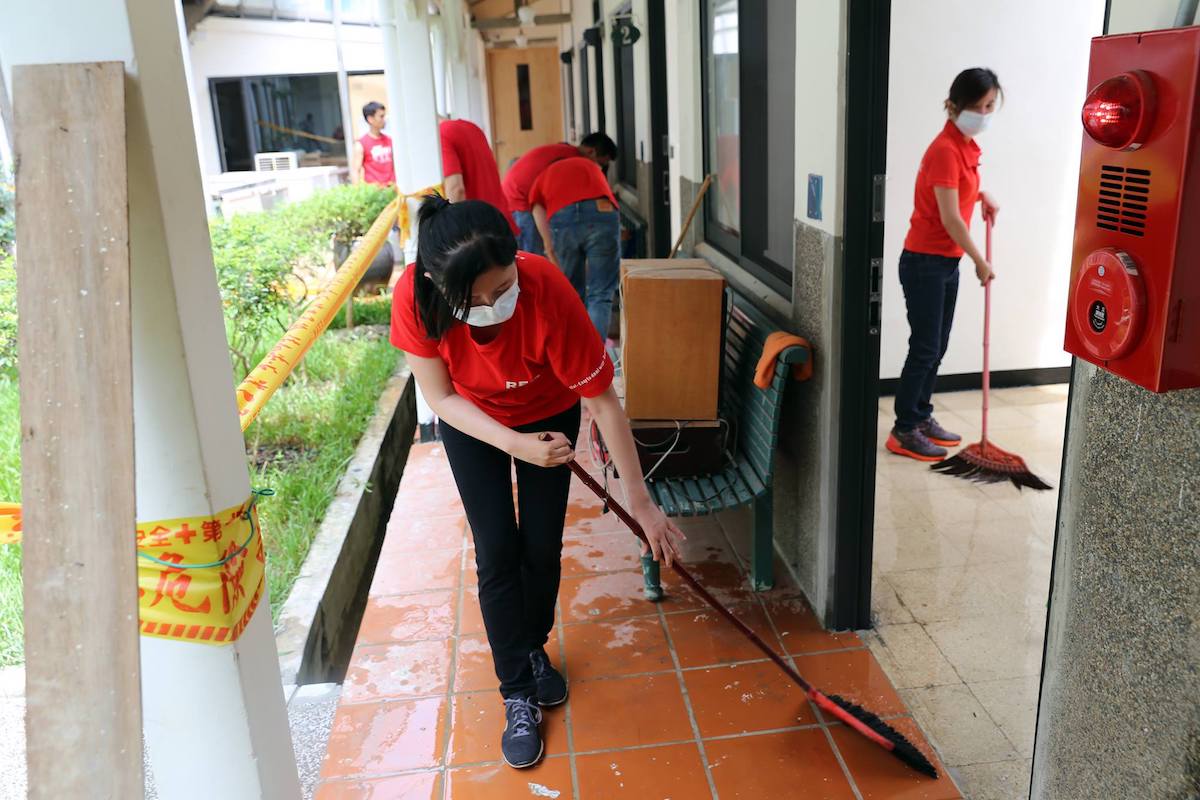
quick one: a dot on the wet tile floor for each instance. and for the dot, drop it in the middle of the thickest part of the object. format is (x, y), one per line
(667, 701)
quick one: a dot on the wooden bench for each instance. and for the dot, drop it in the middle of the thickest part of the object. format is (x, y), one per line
(753, 414)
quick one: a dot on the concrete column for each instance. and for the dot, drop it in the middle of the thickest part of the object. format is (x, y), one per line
(408, 70)
(214, 716)
(458, 56)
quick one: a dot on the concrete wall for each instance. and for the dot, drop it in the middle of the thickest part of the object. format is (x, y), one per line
(1119, 714)
(1030, 164)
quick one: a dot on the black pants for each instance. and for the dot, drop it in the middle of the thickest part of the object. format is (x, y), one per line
(930, 286)
(518, 554)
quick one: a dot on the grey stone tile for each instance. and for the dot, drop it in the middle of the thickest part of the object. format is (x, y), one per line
(992, 647)
(1002, 780)
(916, 658)
(960, 728)
(1012, 704)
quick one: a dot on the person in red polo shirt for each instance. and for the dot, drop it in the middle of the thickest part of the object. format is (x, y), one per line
(521, 175)
(372, 161)
(939, 233)
(503, 351)
(576, 214)
(469, 166)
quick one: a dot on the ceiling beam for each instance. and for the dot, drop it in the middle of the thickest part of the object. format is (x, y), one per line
(515, 22)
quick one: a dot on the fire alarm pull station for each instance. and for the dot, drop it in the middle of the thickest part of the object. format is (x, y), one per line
(1134, 306)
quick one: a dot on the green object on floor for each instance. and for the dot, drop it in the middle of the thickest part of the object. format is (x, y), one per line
(652, 587)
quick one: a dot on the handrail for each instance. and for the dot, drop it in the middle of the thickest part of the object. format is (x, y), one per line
(266, 378)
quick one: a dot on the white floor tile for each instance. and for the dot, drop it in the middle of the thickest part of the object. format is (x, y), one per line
(1001, 780)
(909, 548)
(952, 593)
(1012, 704)
(886, 608)
(915, 658)
(958, 725)
(992, 648)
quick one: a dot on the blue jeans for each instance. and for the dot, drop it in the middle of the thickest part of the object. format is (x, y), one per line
(930, 286)
(528, 239)
(587, 242)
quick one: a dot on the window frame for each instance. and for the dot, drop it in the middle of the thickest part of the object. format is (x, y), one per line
(627, 160)
(752, 158)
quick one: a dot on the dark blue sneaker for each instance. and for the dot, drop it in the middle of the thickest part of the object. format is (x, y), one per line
(521, 743)
(935, 433)
(551, 685)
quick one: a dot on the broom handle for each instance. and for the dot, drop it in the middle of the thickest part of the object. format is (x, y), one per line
(688, 222)
(987, 326)
(628, 519)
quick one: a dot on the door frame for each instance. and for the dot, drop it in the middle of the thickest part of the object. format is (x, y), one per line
(660, 134)
(868, 32)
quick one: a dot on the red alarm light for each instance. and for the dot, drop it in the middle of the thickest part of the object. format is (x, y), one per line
(1119, 112)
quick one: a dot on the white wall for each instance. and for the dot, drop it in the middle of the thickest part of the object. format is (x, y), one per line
(224, 47)
(820, 53)
(1030, 164)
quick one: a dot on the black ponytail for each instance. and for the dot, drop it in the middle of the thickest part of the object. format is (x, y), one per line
(456, 243)
(970, 86)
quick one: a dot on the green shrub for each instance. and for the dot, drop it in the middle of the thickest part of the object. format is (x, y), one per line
(344, 212)
(8, 230)
(368, 310)
(8, 314)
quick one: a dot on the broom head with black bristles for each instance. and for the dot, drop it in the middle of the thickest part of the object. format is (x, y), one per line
(875, 729)
(983, 462)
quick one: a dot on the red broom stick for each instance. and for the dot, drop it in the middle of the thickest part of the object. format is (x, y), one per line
(856, 717)
(984, 462)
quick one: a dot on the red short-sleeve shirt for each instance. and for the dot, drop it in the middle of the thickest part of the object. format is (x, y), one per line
(569, 181)
(951, 161)
(545, 358)
(521, 175)
(466, 152)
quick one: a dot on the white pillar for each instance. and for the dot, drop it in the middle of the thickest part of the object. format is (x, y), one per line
(214, 715)
(455, 24)
(408, 69)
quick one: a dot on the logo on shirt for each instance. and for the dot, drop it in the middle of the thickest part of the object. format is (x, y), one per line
(381, 153)
(515, 384)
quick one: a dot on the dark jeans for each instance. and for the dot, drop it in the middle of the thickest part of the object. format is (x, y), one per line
(930, 286)
(529, 239)
(518, 563)
(587, 242)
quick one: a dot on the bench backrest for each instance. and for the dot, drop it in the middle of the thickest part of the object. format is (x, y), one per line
(752, 411)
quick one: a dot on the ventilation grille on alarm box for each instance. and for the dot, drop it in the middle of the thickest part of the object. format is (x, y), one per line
(1124, 196)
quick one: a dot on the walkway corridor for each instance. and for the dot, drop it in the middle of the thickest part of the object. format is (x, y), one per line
(666, 700)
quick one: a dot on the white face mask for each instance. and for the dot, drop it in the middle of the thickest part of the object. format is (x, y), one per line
(972, 123)
(499, 311)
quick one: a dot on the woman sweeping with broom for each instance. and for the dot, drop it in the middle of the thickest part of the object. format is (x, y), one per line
(939, 234)
(503, 350)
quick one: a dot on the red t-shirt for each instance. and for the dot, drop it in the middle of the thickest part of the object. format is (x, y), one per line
(466, 152)
(569, 181)
(951, 161)
(377, 159)
(544, 359)
(521, 175)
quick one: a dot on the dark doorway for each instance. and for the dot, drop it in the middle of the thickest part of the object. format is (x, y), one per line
(237, 152)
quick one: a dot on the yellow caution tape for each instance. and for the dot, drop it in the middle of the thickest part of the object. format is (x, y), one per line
(10, 523)
(269, 375)
(405, 222)
(200, 578)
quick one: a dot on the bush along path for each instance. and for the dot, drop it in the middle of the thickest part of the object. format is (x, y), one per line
(266, 264)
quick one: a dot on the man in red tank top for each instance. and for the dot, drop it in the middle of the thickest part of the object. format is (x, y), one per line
(373, 151)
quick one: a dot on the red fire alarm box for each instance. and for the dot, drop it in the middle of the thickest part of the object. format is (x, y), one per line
(1134, 302)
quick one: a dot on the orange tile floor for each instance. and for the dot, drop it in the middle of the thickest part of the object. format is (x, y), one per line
(666, 700)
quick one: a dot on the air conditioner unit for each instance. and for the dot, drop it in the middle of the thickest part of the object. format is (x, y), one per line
(275, 162)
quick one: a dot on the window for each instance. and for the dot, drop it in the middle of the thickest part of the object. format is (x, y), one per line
(524, 101)
(585, 91)
(626, 116)
(568, 86)
(749, 134)
(278, 113)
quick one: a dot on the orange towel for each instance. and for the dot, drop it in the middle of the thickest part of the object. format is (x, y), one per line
(776, 343)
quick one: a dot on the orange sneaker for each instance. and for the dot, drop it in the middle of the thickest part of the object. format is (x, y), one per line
(916, 445)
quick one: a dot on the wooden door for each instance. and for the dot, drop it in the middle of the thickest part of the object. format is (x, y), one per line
(526, 100)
